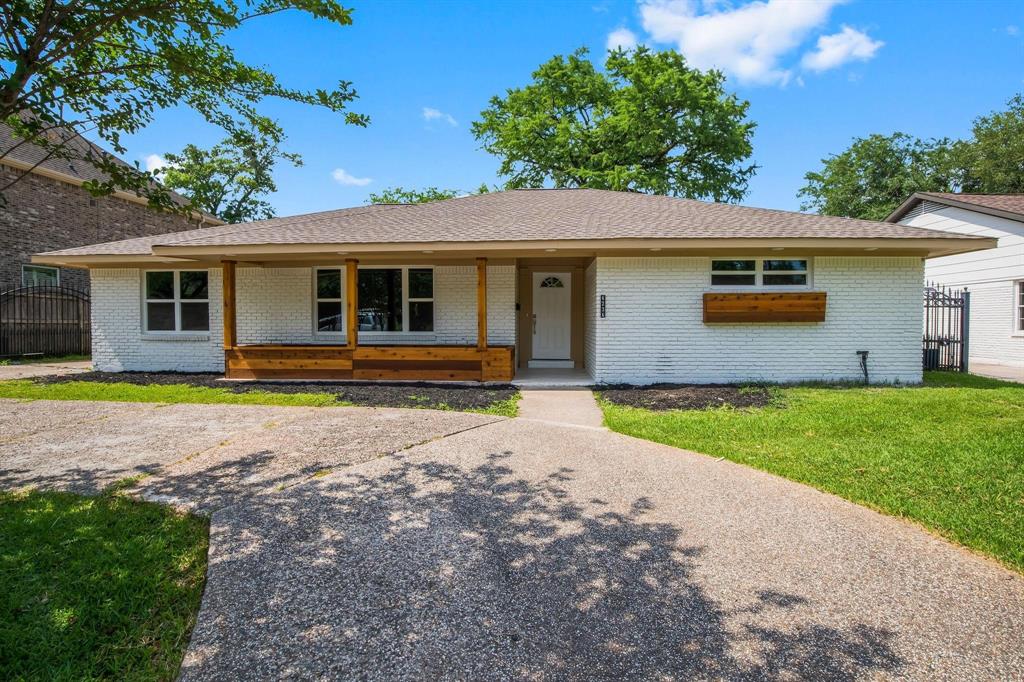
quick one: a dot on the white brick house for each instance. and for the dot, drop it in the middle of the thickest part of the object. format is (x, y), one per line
(614, 287)
(994, 277)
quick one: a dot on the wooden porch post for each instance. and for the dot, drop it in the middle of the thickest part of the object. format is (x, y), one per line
(228, 286)
(352, 302)
(481, 303)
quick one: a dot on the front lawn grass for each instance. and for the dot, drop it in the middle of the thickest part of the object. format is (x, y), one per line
(25, 389)
(100, 587)
(949, 454)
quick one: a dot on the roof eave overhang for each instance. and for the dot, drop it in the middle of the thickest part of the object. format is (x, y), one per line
(185, 254)
(927, 246)
(909, 204)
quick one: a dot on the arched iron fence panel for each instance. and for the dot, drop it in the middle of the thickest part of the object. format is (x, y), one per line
(947, 315)
(44, 320)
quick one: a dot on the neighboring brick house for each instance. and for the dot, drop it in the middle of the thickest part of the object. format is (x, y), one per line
(602, 287)
(48, 209)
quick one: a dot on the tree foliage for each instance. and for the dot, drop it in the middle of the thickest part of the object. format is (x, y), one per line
(231, 179)
(105, 67)
(647, 123)
(402, 195)
(993, 161)
(875, 174)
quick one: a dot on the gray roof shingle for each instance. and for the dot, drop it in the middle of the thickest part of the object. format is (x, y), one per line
(527, 215)
(1005, 205)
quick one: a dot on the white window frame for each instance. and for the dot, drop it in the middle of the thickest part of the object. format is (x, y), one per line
(316, 299)
(406, 300)
(177, 300)
(1018, 307)
(38, 267)
(759, 273)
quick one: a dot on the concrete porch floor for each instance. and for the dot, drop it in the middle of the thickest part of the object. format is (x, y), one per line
(551, 378)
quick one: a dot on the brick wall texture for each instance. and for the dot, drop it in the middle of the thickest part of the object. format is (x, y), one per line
(653, 331)
(43, 214)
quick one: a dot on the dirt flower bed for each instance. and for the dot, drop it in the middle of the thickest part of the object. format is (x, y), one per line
(411, 394)
(661, 397)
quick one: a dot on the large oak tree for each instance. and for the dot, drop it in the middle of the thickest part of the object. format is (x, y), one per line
(104, 68)
(875, 174)
(648, 123)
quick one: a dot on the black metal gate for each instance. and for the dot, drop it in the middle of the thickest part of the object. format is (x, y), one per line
(44, 320)
(947, 317)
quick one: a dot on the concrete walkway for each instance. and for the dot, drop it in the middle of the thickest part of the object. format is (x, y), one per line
(1004, 372)
(575, 407)
(42, 369)
(411, 544)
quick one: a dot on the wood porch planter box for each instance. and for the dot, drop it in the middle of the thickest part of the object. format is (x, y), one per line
(805, 306)
(396, 363)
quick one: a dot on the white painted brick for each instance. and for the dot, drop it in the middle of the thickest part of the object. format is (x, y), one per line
(275, 305)
(654, 331)
(118, 343)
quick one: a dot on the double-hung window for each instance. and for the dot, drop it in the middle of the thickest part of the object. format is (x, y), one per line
(1019, 306)
(760, 272)
(176, 301)
(391, 299)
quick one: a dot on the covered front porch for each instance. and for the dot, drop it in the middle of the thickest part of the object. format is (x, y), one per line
(349, 360)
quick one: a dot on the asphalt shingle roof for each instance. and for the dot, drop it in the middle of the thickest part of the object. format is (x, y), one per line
(527, 215)
(1011, 203)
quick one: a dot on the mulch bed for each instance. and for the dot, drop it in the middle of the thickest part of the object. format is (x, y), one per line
(662, 397)
(411, 394)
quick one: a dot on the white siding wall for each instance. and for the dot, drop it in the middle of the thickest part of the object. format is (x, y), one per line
(118, 343)
(654, 331)
(275, 305)
(988, 274)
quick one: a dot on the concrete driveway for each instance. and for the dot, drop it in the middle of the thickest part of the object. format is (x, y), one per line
(42, 369)
(525, 549)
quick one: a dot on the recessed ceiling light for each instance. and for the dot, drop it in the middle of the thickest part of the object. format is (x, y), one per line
(871, 248)
(342, 253)
(427, 251)
(777, 248)
(551, 250)
(657, 248)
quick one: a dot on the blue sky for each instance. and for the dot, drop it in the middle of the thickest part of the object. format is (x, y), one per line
(821, 74)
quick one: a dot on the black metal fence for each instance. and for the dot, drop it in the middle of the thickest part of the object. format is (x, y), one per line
(947, 317)
(44, 320)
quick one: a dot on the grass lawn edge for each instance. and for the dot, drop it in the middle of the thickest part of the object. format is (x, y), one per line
(981, 519)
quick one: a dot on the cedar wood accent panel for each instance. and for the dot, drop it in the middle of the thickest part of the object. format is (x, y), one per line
(402, 363)
(808, 306)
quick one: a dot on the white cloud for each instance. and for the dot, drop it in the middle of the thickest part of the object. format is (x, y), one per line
(750, 41)
(431, 114)
(621, 37)
(840, 48)
(154, 163)
(344, 178)
(1013, 30)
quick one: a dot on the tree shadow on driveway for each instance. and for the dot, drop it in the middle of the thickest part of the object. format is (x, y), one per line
(420, 569)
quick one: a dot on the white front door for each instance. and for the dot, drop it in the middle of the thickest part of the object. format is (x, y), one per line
(552, 315)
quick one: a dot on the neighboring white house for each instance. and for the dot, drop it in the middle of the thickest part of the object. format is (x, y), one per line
(613, 287)
(994, 277)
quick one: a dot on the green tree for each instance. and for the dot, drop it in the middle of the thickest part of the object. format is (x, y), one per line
(993, 161)
(231, 179)
(647, 123)
(877, 173)
(401, 195)
(105, 67)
